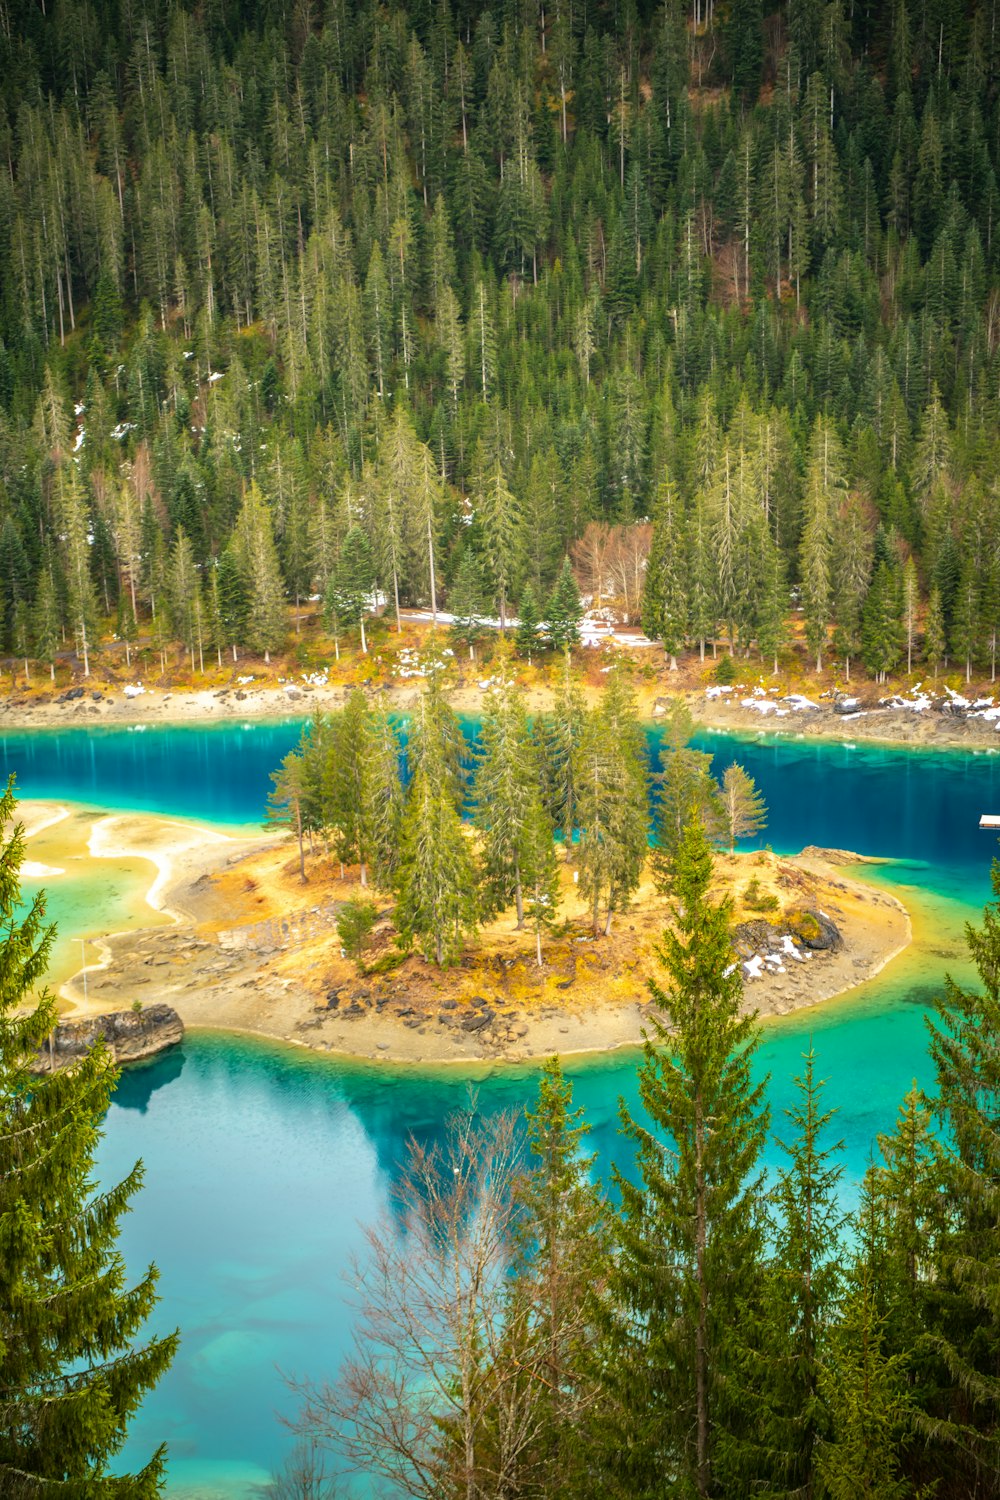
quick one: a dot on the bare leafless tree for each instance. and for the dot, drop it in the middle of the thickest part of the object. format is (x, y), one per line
(441, 1393)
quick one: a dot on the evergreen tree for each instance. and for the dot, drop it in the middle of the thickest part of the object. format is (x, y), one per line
(526, 638)
(45, 622)
(881, 643)
(743, 809)
(802, 1290)
(258, 559)
(436, 878)
(383, 794)
(686, 1280)
(565, 611)
(560, 1268)
(665, 590)
(539, 873)
(71, 1373)
(609, 775)
(505, 790)
(934, 638)
(349, 595)
(961, 1414)
(468, 603)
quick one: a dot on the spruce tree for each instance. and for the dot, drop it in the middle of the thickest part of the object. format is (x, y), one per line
(961, 1417)
(610, 781)
(743, 808)
(560, 1268)
(505, 788)
(934, 636)
(258, 558)
(565, 610)
(801, 1293)
(435, 879)
(71, 1373)
(526, 638)
(45, 622)
(349, 594)
(468, 602)
(539, 873)
(383, 797)
(685, 1284)
(559, 734)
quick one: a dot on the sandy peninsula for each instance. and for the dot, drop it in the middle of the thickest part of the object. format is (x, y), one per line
(249, 948)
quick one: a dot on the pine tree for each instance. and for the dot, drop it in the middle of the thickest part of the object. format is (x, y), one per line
(743, 809)
(559, 734)
(539, 873)
(685, 789)
(526, 638)
(258, 559)
(934, 637)
(690, 1232)
(505, 781)
(961, 1417)
(881, 632)
(234, 606)
(565, 611)
(383, 798)
(344, 777)
(560, 1268)
(802, 1290)
(45, 621)
(435, 877)
(349, 595)
(862, 1384)
(665, 590)
(609, 775)
(71, 1375)
(468, 603)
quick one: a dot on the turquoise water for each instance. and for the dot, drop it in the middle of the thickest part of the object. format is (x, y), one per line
(262, 1160)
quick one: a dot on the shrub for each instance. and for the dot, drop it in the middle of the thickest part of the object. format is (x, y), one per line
(755, 898)
(355, 921)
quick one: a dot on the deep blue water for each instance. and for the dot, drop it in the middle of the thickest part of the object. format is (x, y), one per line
(921, 807)
(261, 1160)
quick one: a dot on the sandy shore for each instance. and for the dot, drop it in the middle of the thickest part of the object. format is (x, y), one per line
(232, 960)
(259, 699)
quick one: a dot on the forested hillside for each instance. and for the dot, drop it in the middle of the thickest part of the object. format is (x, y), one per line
(299, 298)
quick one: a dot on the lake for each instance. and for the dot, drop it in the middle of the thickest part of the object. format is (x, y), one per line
(262, 1160)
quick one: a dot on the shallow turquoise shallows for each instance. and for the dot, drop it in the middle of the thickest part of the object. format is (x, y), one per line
(261, 1161)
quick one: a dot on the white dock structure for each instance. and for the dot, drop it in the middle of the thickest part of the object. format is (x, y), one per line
(990, 820)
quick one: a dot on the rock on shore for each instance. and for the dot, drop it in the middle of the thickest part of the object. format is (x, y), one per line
(131, 1035)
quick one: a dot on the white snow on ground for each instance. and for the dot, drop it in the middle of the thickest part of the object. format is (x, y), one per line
(716, 692)
(765, 706)
(78, 444)
(753, 968)
(214, 375)
(788, 947)
(133, 689)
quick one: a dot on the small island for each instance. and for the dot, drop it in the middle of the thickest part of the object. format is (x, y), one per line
(251, 948)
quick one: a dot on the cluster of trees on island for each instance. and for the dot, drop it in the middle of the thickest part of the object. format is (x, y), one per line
(700, 1327)
(426, 292)
(578, 774)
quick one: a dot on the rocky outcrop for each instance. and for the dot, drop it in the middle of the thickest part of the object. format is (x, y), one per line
(130, 1035)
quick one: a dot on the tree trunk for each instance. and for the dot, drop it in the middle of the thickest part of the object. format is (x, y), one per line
(364, 643)
(538, 943)
(430, 553)
(298, 830)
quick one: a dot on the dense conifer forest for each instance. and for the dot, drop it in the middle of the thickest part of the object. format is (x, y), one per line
(302, 299)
